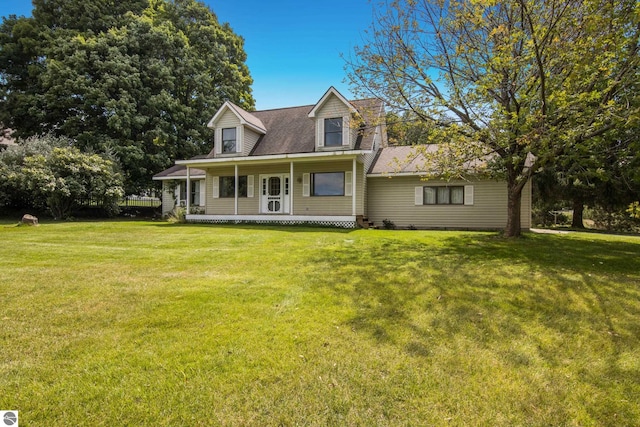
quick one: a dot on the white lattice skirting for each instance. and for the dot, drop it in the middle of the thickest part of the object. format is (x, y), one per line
(327, 221)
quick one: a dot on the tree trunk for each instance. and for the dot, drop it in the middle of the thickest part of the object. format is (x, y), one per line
(578, 210)
(514, 196)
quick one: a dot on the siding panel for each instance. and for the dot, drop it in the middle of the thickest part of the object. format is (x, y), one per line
(168, 196)
(250, 139)
(333, 107)
(394, 199)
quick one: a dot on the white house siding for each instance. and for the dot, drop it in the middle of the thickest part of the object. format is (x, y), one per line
(332, 107)
(168, 196)
(394, 199)
(250, 139)
(228, 120)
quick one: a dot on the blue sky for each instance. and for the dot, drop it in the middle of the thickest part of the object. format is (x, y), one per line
(293, 47)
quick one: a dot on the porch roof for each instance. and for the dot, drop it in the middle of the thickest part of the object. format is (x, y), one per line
(178, 172)
(274, 158)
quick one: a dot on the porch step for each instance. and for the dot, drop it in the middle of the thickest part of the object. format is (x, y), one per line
(363, 222)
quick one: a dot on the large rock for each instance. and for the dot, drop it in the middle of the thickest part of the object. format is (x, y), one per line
(29, 219)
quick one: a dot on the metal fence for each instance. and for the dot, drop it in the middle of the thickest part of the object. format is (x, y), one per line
(141, 201)
(126, 202)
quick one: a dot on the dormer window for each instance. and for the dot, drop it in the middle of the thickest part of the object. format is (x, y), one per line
(333, 116)
(229, 140)
(333, 132)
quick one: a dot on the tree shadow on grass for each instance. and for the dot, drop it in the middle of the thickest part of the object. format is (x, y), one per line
(541, 298)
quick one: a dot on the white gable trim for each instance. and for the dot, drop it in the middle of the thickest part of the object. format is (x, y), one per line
(219, 114)
(328, 93)
(228, 106)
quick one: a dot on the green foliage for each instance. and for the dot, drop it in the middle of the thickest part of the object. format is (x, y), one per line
(178, 215)
(139, 79)
(13, 192)
(634, 210)
(618, 220)
(388, 224)
(53, 174)
(530, 83)
(407, 129)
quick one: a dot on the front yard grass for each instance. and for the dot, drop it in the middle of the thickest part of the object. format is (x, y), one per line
(146, 323)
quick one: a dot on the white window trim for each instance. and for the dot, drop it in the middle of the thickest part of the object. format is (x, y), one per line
(250, 185)
(215, 181)
(202, 191)
(346, 132)
(239, 140)
(468, 196)
(348, 183)
(419, 196)
(306, 185)
(320, 132)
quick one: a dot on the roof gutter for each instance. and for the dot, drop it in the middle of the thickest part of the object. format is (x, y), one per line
(274, 157)
(393, 174)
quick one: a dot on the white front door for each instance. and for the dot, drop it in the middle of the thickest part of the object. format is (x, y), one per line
(272, 196)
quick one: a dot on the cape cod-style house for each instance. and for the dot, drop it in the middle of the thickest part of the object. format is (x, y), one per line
(329, 164)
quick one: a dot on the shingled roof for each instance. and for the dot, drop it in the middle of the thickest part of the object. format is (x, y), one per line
(290, 130)
(407, 159)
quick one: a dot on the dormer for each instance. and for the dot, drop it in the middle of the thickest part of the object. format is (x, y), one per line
(236, 131)
(334, 119)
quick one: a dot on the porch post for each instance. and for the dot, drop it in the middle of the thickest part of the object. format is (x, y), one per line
(353, 188)
(290, 188)
(236, 190)
(188, 189)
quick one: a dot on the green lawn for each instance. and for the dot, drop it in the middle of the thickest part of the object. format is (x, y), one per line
(147, 323)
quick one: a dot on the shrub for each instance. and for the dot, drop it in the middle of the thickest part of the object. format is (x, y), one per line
(388, 224)
(178, 215)
(634, 210)
(614, 220)
(50, 172)
(196, 210)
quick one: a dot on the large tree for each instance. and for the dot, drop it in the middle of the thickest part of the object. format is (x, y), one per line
(526, 82)
(139, 79)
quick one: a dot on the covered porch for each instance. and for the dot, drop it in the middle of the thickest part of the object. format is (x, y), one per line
(280, 190)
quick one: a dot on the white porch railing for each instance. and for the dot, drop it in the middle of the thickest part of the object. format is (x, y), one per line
(346, 221)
